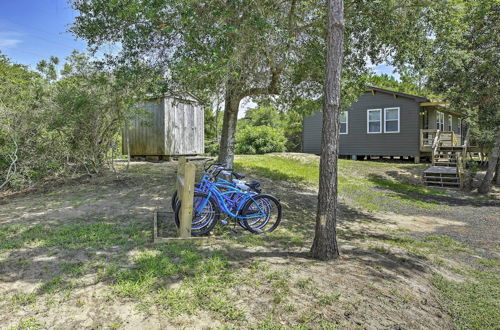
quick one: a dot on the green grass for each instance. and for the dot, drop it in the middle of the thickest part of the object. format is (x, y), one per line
(358, 181)
(23, 299)
(474, 303)
(74, 236)
(28, 324)
(177, 280)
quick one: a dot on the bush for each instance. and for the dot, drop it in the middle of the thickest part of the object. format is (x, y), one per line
(260, 140)
(211, 147)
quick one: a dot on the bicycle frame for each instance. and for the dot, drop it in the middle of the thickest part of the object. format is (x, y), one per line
(228, 204)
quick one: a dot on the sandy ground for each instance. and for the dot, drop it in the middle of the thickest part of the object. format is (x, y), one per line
(373, 288)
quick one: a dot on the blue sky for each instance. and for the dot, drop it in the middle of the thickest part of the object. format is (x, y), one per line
(32, 30)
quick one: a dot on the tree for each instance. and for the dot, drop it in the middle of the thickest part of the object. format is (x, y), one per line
(249, 48)
(235, 48)
(325, 239)
(466, 67)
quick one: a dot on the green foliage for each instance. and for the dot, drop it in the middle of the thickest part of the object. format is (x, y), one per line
(60, 123)
(211, 147)
(262, 116)
(260, 140)
(406, 84)
(464, 62)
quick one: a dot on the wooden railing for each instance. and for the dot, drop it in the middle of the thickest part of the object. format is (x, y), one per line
(427, 138)
(446, 138)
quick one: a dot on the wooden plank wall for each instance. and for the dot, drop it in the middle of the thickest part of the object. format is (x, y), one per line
(184, 127)
(146, 133)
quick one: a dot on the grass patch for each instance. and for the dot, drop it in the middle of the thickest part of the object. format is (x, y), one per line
(23, 299)
(28, 324)
(74, 236)
(475, 303)
(429, 245)
(357, 180)
(178, 280)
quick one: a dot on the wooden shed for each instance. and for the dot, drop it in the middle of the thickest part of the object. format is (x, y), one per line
(168, 126)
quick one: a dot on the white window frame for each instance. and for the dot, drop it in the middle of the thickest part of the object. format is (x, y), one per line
(439, 122)
(368, 121)
(385, 120)
(346, 113)
(450, 123)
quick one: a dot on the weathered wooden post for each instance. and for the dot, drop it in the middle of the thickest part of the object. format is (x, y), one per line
(186, 196)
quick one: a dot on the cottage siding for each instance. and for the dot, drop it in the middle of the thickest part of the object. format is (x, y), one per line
(171, 126)
(358, 141)
(311, 133)
(432, 113)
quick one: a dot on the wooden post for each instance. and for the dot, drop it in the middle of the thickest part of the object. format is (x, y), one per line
(186, 196)
(180, 172)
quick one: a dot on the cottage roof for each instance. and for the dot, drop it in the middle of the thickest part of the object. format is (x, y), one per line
(417, 98)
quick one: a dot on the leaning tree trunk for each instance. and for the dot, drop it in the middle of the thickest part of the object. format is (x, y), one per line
(228, 136)
(492, 164)
(497, 174)
(325, 239)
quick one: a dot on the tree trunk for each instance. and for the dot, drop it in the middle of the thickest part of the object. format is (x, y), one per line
(228, 136)
(497, 174)
(325, 239)
(492, 164)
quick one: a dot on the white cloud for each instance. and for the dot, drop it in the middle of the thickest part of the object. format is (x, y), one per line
(6, 43)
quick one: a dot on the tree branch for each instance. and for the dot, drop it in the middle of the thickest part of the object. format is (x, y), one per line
(13, 157)
(272, 88)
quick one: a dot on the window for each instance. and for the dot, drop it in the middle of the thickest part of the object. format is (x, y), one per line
(344, 119)
(374, 121)
(440, 120)
(450, 123)
(391, 120)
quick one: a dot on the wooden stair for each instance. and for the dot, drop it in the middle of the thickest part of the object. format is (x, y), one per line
(447, 162)
(442, 176)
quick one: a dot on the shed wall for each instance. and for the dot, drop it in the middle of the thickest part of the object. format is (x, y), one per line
(170, 126)
(146, 133)
(184, 127)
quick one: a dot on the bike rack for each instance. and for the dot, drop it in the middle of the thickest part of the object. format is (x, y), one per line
(185, 190)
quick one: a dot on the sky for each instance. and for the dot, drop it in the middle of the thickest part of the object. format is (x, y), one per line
(33, 30)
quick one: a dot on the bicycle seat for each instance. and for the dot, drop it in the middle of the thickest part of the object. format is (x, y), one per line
(238, 176)
(254, 184)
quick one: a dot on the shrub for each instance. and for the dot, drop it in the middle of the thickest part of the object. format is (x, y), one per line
(211, 147)
(260, 140)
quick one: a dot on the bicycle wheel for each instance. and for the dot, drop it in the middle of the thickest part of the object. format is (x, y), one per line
(175, 199)
(261, 214)
(205, 214)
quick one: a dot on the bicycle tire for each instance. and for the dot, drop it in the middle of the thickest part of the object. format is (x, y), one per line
(247, 210)
(204, 229)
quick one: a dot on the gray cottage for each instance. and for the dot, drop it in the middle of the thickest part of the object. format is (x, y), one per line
(387, 123)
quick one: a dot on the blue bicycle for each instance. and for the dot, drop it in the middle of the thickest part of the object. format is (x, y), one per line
(241, 201)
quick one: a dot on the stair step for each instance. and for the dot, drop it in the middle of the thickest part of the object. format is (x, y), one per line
(442, 184)
(441, 179)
